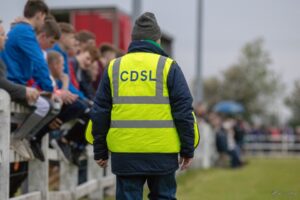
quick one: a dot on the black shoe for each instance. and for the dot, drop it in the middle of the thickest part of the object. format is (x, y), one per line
(76, 153)
(75, 157)
(63, 149)
(37, 150)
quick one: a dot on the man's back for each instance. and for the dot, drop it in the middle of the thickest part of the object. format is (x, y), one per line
(142, 113)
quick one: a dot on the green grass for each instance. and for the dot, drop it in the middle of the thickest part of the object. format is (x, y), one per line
(261, 179)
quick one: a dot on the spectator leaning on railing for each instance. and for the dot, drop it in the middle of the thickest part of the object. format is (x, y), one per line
(22, 54)
(16, 91)
(107, 53)
(79, 66)
(25, 61)
(66, 43)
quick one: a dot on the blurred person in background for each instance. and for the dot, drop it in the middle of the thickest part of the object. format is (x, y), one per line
(221, 138)
(47, 36)
(206, 148)
(67, 43)
(79, 67)
(85, 39)
(232, 148)
(94, 71)
(239, 132)
(107, 53)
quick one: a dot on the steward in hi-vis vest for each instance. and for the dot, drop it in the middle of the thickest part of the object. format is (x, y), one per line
(143, 115)
(141, 88)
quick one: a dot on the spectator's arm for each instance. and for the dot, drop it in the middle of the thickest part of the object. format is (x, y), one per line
(181, 106)
(65, 81)
(74, 90)
(16, 91)
(30, 46)
(101, 115)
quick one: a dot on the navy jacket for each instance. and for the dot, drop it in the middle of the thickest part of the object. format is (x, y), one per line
(181, 107)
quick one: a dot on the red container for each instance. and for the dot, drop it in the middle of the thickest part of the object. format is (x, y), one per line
(108, 24)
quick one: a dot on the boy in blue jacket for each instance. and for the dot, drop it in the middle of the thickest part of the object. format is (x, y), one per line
(25, 61)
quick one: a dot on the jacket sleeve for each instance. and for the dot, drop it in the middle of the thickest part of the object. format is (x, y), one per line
(29, 45)
(181, 107)
(16, 91)
(100, 115)
(74, 90)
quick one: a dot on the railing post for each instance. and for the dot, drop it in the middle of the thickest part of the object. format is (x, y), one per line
(68, 177)
(38, 173)
(4, 144)
(94, 172)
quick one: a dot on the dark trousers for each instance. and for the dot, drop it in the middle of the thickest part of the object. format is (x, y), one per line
(160, 186)
(68, 112)
(235, 160)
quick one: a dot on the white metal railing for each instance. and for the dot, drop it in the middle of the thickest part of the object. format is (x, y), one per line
(269, 145)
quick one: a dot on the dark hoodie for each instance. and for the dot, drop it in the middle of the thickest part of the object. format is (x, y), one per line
(181, 107)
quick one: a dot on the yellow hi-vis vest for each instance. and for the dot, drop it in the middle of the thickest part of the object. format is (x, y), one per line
(141, 118)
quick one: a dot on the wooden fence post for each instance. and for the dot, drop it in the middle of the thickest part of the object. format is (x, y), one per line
(38, 173)
(4, 144)
(68, 177)
(94, 172)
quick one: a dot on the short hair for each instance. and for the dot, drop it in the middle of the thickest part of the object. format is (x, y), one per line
(51, 29)
(107, 47)
(94, 52)
(66, 28)
(53, 56)
(32, 7)
(84, 36)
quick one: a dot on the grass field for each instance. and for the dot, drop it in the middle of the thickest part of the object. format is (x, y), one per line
(261, 179)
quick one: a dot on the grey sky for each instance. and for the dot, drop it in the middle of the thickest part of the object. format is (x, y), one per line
(228, 25)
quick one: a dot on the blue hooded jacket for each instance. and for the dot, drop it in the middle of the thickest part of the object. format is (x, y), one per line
(181, 108)
(24, 58)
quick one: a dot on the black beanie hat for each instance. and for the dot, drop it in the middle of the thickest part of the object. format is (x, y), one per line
(146, 28)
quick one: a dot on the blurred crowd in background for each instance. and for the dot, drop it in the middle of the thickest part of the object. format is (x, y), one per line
(224, 137)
